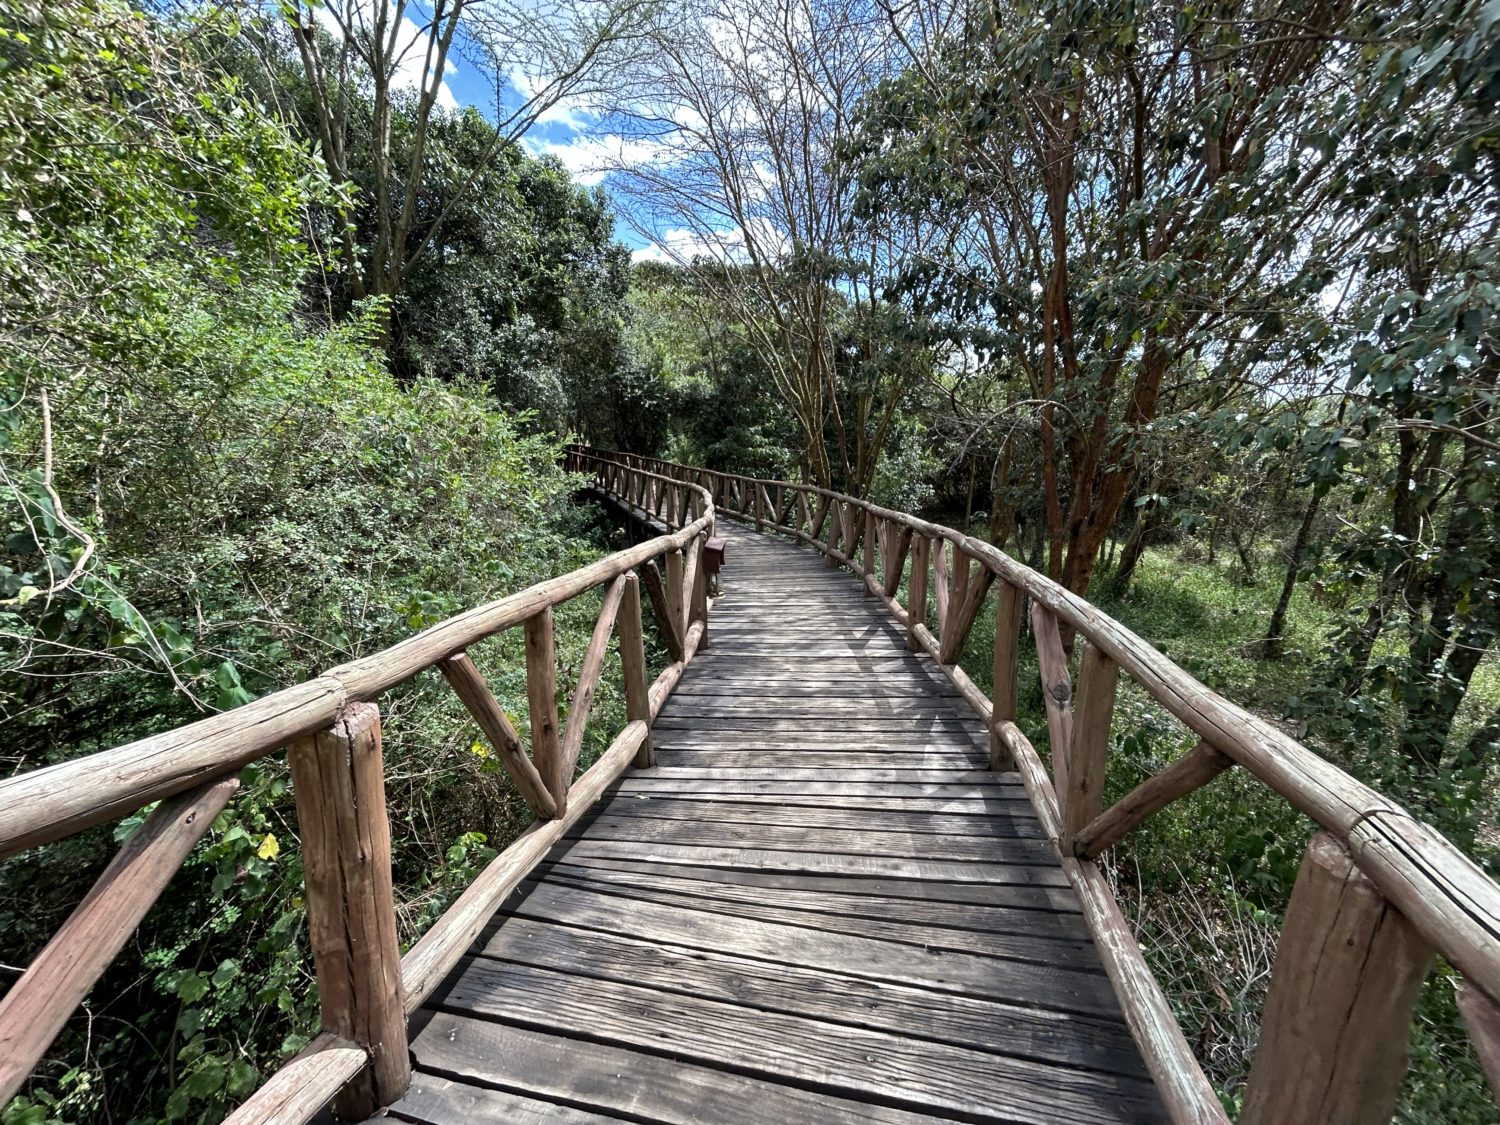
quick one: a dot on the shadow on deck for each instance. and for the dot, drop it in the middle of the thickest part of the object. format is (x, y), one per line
(818, 905)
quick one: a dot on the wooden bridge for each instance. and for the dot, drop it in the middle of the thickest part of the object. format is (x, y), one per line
(818, 876)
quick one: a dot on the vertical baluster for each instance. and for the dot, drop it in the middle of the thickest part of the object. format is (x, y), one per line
(541, 697)
(1007, 671)
(1088, 752)
(897, 561)
(916, 592)
(869, 553)
(676, 601)
(1337, 1020)
(1057, 694)
(700, 590)
(338, 780)
(629, 628)
(940, 583)
(835, 529)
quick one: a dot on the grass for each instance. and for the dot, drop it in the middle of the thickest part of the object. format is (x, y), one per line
(1206, 880)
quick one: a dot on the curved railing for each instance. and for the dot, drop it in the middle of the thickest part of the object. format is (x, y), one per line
(1378, 891)
(331, 730)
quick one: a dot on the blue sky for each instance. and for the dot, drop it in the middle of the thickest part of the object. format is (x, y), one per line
(567, 131)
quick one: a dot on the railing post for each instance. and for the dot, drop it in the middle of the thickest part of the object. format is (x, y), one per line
(676, 603)
(700, 591)
(1088, 752)
(835, 529)
(869, 553)
(916, 590)
(338, 780)
(1057, 694)
(1337, 1020)
(541, 701)
(1007, 672)
(633, 666)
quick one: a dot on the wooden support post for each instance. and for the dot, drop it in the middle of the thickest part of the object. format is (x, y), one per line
(693, 558)
(1088, 751)
(815, 529)
(666, 623)
(700, 593)
(869, 552)
(338, 779)
(1192, 771)
(1007, 672)
(835, 530)
(541, 698)
(676, 593)
(916, 591)
(1482, 1018)
(963, 608)
(633, 665)
(940, 585)
(38, 1005)
(470, 687)
(1337, 1020)
(896, 562)
(1057, 693)
(588, 677)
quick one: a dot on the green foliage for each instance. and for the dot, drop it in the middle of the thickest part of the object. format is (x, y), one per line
(207, 498)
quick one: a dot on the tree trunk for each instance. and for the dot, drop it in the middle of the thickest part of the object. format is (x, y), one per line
(1271, 647)
(1243, 551)
(1130, 555)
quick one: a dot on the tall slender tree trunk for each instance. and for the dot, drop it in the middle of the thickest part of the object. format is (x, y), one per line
(1272, 646)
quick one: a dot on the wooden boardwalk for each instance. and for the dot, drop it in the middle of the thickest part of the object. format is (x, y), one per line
(818, 906)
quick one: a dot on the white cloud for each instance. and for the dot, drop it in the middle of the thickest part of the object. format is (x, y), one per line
(682, 245)
(590, 159)
(570, 113)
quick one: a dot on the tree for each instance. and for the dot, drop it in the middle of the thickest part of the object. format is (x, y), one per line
(1120, 204)
(746, 112)
(525, 292)
(368, 63)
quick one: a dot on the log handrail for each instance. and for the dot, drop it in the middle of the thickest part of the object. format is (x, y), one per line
(1444, 895)
(332, 735)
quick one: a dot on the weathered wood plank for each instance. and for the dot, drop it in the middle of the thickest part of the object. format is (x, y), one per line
(848, 1061)
(1337, 1020)
(435, 1100)
(823, 863)
(1053, 896)
(1007, 909)
(635, 1084)
(985, 1025)
(1050, 938)
(338, 779)
(778, 837)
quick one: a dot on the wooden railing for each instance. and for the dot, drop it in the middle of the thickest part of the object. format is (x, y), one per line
(1378, 891)
(330, 727)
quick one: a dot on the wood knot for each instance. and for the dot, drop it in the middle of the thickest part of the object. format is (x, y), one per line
(1061, 692)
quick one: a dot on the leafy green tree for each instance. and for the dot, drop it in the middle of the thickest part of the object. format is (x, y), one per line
(209, 494)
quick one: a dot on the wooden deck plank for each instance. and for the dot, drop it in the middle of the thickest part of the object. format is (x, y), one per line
(906, 891)
(631, 1084)
(1030, 977)
(433, 1099)
(854, 1062)
(1004, 1030)
(1021, 822)
(818, 905)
